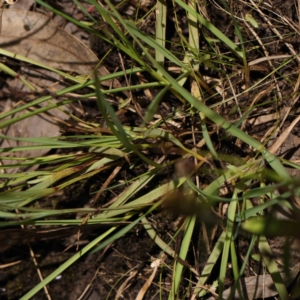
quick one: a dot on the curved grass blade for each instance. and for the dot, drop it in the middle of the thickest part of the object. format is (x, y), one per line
(106, 110)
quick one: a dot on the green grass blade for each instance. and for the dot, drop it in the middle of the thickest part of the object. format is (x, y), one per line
(211, 28)
(66, 265)
(271, 265)
(178, 269)
(161, 27)
(106, 110)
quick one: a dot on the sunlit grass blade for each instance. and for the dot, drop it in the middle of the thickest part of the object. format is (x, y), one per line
(127, 228)
(67, 264)
(143, 201)
(212, 260)
(134, 188)
(38, 64)
(12, 73)
(271, 265)
(178, 268)
(161, 28)
(228, 242)
(212, 28)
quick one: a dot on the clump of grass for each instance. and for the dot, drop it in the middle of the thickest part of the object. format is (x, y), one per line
(120, 145)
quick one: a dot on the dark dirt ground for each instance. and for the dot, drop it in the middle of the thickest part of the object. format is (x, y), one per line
(131, 255)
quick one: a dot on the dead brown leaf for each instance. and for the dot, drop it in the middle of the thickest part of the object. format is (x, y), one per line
(37, 37)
